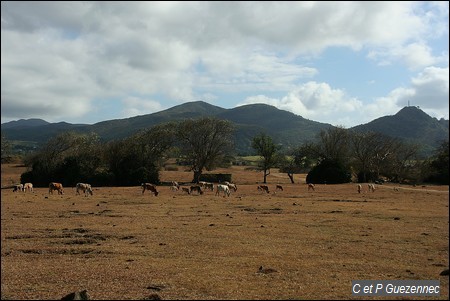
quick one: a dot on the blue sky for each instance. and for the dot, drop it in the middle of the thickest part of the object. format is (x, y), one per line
(342, 63)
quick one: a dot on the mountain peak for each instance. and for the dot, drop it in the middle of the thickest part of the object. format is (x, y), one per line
(21, 123)
(198, 107)
(412, 112)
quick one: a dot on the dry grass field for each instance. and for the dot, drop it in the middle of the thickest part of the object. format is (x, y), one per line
(122, 244)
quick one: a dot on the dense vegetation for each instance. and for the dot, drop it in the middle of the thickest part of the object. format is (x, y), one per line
(336, 156)
(287, 130)
(70, 157)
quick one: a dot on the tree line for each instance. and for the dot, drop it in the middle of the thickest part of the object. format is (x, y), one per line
(336, 156)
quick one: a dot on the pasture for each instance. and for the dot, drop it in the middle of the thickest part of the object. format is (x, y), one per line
(122, 244)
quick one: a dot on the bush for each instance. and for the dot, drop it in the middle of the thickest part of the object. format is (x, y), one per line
(102, 178)
(215, 177)
(144, 175)
(329, 172)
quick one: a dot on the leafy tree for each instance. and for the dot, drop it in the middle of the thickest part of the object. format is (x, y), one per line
(138, 158)
(204, 143)
(266, 148)
(68, 157)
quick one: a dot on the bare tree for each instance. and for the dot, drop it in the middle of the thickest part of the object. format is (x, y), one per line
(334, 144)
(402, 163)
(370, 150)
(265, 147)
(6, 148)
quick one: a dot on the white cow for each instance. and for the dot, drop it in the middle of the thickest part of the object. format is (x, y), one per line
(175, 183)
(209, 186)
(86, 188)
(224, 188)
(359, 188)
(232, 186)
(18, 187)
(28, 187)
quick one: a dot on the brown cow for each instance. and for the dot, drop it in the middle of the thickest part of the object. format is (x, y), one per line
(185, 189)
(55, 186)
(263, 188)
(279, 187)
(196, 188)
(150, 187)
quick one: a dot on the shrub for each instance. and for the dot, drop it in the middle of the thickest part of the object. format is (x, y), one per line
(215, 177)
(329, 172)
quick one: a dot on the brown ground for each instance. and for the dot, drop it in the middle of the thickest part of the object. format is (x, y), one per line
(120, 244)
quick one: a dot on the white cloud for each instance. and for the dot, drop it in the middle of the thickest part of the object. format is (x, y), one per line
(429, 91)
(414, 56)
(134, 106)
(316, 101)
(319, 102)
(60, 58)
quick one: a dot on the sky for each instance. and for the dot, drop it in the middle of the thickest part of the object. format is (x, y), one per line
(341, 63)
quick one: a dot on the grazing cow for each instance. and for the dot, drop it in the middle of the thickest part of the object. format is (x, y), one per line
(185, 189)
(149, 187)
(28, 187)
(55, 186)
(279, 187)
(18, 187)
(209, 186)
(263, 188)
(359, 188)
(224, 188)
(196, 188)
(175, 183)
(371, 187)
(174, 188)
(311, 186)
(86, 188)
(232, 186)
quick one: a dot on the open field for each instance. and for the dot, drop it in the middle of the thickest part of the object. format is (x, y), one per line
(122, 244)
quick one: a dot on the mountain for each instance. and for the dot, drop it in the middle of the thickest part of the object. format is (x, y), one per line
(411, 124)
(286, 128)
(121, 128)
(24, 123)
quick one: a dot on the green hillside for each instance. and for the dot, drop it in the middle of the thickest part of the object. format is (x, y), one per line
(286, 128)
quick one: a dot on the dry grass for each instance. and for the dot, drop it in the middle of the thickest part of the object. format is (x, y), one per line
(120, 244)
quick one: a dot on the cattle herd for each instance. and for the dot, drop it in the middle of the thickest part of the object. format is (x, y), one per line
(224, 188)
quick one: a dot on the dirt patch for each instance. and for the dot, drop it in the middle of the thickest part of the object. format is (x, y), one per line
(290, 245)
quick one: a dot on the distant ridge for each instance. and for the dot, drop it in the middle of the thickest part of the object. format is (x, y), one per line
(286, 128)
(24, 123)
(412, 125)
